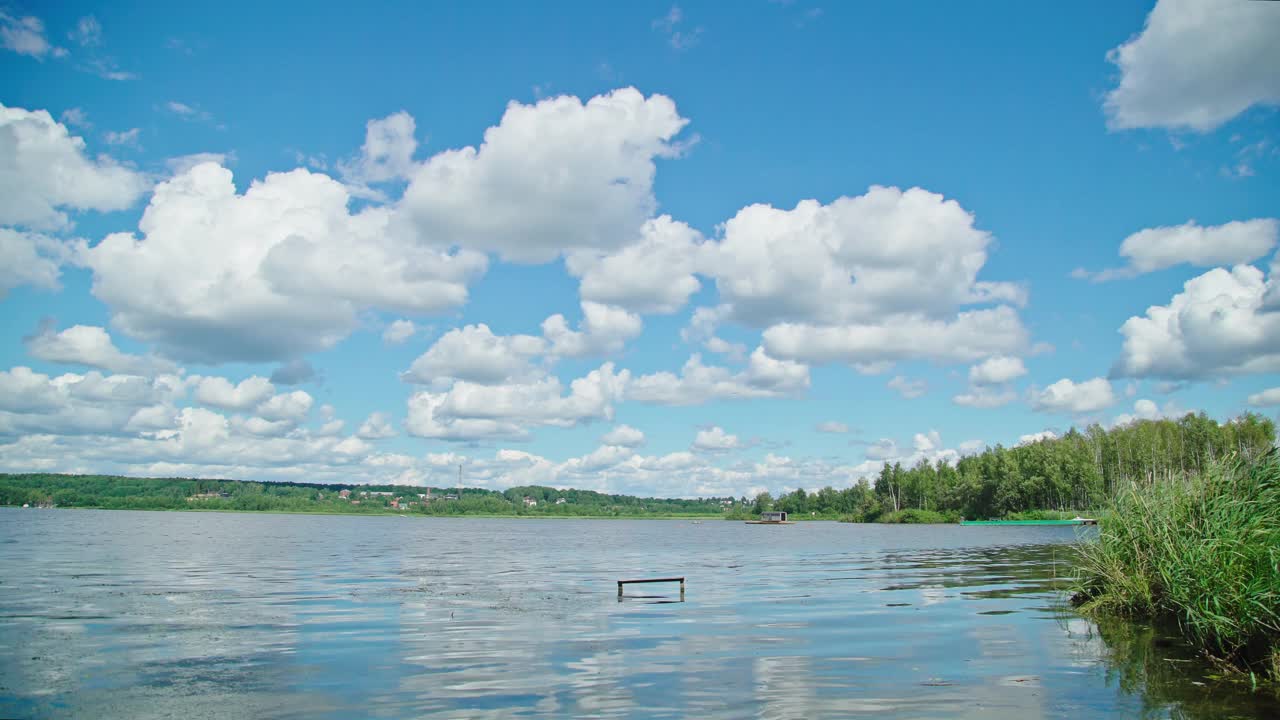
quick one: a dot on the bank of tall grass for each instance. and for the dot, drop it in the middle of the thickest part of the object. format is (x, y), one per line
(1203, 551)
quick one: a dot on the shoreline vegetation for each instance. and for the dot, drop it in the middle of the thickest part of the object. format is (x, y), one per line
(110, 492)
(1051, 479)
(1056, 478)
(1201, 552)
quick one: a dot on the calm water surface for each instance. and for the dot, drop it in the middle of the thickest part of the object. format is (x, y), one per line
(130, 614)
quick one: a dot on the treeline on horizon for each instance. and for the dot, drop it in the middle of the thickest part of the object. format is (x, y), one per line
(1055, 477)
(1082, 470)
(129, 493)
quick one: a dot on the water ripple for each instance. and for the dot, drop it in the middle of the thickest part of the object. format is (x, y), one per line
(124, 614)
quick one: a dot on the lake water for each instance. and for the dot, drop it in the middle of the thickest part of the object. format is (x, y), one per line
(107, 614)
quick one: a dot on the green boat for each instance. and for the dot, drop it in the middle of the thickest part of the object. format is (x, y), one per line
(1073, 521)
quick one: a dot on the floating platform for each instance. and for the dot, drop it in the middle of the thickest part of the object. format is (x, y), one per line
(1073, 521)
(769, 522)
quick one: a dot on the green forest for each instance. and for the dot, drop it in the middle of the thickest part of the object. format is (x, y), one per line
(127, 493)
(1082, 470)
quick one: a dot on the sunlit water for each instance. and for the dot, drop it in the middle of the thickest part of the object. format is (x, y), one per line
(190, 615)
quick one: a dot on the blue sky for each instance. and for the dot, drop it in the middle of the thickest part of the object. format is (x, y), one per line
(650, 248)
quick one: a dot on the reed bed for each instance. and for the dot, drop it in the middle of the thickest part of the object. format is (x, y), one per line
(1203, 551)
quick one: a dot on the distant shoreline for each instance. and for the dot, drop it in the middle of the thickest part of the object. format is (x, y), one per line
(116, 492)
(402, 515)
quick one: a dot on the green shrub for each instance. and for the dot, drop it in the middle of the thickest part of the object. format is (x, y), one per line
(915, 516)
(1205, 551)
(1046, 515)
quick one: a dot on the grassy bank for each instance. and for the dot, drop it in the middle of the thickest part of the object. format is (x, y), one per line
(915, 516)
(1203, 551)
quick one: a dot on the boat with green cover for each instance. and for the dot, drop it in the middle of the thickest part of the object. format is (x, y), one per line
(1073, 521)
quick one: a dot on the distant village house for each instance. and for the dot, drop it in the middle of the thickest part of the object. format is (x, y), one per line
(211, 495)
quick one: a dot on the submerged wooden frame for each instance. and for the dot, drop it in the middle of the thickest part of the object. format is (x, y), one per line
(651, 580)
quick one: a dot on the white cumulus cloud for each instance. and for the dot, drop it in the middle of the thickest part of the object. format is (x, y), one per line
(398, 332)
(1267, 398)
(1068, 396)
(623, 436)
(1197, 64)
(553, 177)
(276, 272)
(715, 439)
(29, 259)
(697, 383)
(854, 260)
(997, 370)
(1148, 410)
(1037, 437)
(291, 406)
(470, 411)
(972, 335)
(376, 427)
(927, 446)
(990, 382)
(44, 169)
(1233, 243)
(475, 354)
(75, 405)
(387, 154)
(1224, 322)
(219, 392)
(655, 274)
(92, 346)
(604, 330)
